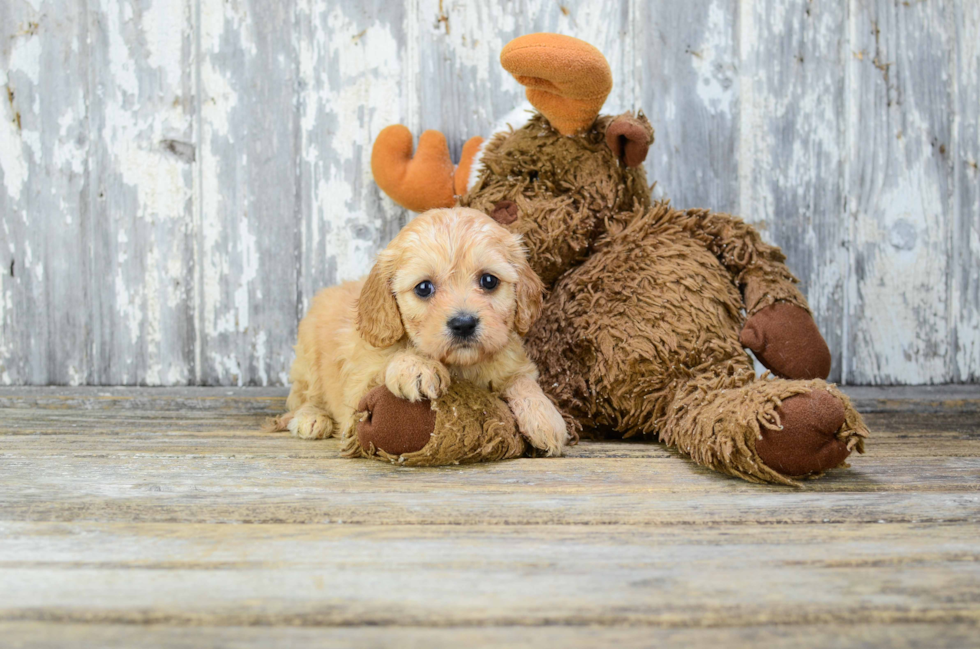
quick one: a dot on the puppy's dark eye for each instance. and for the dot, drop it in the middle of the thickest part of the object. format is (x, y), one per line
(488, 282)
(424, 289)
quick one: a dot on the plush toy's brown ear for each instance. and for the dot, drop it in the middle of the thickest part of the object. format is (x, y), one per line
(529, 290)
(630, 138)
(378, 318)
(567, 79)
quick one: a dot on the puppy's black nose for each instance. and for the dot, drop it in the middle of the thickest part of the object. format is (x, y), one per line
(463, 325)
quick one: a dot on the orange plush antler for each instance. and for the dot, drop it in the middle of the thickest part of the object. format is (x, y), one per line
(425, 181)
(567, 79)
(462, 177)
(419, 183)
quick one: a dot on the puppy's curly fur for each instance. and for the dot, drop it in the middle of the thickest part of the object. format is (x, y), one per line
(397, 327)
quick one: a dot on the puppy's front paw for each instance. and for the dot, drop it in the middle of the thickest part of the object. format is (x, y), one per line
(541, 423)
(309, 422)
(414, 378)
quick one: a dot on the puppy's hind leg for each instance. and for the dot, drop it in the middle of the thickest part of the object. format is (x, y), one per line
(309, 422)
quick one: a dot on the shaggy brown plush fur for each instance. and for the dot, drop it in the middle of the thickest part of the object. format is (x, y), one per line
(640, 334)
(567, 190)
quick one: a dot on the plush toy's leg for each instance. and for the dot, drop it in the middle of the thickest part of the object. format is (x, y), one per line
(643, 338)
(780, 329)
(762, 430)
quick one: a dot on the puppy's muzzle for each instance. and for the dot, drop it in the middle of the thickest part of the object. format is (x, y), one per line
(463, 326)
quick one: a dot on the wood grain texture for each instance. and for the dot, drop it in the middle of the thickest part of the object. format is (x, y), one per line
(946, 399)
(140, 111)
(44, 95)
(164, 518)
(686, 76)
(964, 260)
(898, 183)
(97, 209)
(160, 450)
(32, 635)
(463, 90)
(248, 191)
(434, 576)
(354, 80)
(179, 177)
(791, 148)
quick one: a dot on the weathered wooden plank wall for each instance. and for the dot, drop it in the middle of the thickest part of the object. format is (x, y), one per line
(180, 176)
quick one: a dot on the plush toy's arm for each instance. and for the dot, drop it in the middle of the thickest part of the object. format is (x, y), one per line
(779, 328)
(756, 266)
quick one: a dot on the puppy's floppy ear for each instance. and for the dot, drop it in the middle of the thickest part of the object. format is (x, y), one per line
(529, 290)
(378, 318)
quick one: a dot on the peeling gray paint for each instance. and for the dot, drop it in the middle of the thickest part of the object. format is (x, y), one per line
(179, 177)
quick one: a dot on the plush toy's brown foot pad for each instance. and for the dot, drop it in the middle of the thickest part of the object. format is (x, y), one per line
(808, 442)
(400, 427)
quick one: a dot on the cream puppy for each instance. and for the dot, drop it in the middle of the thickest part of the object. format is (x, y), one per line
(449, 298)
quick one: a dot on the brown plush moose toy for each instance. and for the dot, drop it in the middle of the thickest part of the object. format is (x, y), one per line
(648, 309)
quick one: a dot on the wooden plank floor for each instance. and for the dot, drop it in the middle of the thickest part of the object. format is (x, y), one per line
(163, 517)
